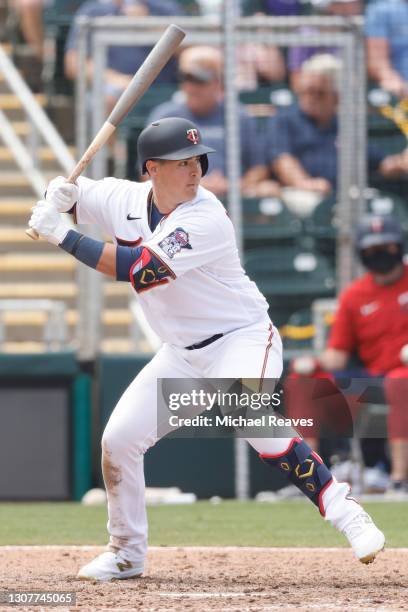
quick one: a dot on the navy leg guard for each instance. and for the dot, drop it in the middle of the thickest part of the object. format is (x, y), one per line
(304, 468)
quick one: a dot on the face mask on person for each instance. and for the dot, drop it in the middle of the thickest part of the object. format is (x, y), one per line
(381, 260)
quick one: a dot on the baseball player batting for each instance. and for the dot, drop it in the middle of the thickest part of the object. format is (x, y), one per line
(175, 244)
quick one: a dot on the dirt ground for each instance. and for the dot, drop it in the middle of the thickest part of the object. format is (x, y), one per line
(224, 579)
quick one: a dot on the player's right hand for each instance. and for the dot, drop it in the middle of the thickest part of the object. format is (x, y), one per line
(61, 194)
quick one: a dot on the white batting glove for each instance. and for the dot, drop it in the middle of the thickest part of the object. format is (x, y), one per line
(47, 222)
(62, 194)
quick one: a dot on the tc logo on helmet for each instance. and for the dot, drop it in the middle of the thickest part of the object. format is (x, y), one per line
(192, 135)
(377, 224)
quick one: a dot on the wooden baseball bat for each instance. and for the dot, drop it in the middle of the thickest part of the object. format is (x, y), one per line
(143, 78)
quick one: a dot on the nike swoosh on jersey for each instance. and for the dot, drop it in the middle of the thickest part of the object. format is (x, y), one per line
(129, 218)
(368, 309)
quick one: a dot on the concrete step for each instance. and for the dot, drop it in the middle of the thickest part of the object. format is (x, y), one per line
(58, 291)
(37, 263)
(16, 184)
(29, 325)
(117, 345)
(13, 238)
(116, 295)
(16, 211)
(34, 318)
(11, 105)
(46, 267)
(110, 345)
(9, 101)
(16, 206)
(24, 347)
(42, 290)
(44, 155)
(22, 128)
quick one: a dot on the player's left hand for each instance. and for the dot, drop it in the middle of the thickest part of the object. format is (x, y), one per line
(47, 222)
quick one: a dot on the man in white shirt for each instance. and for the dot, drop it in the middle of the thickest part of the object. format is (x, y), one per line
(175, 243)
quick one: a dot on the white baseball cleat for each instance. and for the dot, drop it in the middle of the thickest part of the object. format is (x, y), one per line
(109, 566)
(365, 538)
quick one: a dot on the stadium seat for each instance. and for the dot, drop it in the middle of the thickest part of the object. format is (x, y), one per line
(321, 226)
(60, 12)
(290, 278)
(155, 95)
(387, 119)
(276, 93)
(267, 221)
(383, 132)
(298, 332)
(57, 18)
(263, 101)
(191, 7)
(134, 123)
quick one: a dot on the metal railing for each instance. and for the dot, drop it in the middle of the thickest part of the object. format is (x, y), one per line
(38, 118)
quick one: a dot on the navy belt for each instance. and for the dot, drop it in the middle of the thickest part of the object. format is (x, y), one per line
(204, 343)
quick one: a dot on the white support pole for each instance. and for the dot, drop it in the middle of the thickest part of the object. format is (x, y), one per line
(233, 161)
(36, 114)
(21, 156)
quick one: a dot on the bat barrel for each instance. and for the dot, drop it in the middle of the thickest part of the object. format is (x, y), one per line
(147, 73)
(144, 77)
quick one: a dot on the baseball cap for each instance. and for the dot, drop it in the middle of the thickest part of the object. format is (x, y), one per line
(374, 230)
(172, 138)
(324, 3)
(197, 74)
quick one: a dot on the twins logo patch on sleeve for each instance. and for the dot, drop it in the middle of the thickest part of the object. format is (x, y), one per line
(174, 242)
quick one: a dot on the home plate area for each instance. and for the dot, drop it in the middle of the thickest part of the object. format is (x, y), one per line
(225, 579)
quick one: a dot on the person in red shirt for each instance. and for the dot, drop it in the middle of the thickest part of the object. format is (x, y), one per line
(372, 322)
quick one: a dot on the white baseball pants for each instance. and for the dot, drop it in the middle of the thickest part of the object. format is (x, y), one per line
(252, 352)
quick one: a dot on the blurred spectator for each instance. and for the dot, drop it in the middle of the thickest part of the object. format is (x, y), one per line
(301, 140)
(202, 102)
(122, 62)
(29, 13)
(271, 7)
(211, 8)
(298, 55)
(372, 321)
(370, 324)
(258, 66)
(387, 44)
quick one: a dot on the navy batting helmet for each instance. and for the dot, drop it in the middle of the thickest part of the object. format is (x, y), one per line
(171, 138)
(374, 230)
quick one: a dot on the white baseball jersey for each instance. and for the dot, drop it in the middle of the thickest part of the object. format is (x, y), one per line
(208, 291)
